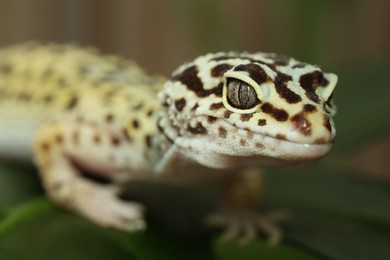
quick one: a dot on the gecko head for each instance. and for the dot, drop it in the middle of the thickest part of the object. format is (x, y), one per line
(226, 109)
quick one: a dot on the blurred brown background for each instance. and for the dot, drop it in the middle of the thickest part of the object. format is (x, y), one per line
(161, 34)
(350, 38)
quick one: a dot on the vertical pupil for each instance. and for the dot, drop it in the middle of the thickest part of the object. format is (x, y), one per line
(241, 95)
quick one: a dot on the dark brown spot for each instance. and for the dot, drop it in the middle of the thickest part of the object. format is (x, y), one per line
(45, 147)
(148, 141)
(313, 97)
(72, 103)
(255, 71)
(320, 141)
(270, 65)
(325, 82)
(327, 122)
(150, 112)
(6, 68)
(24, 96)
(48, 98)
(137, 106)
(127, 135)
(290, 96)
(217, 90)
(310, 82)
(276, 113)
(308, 108)
(165, 103)
(115, 141)
(211, 119)
(135, 123)
(216, 106)
(299, 65)
(199, 129)
(246, 117)
(180, 104)
(281, 137)
(189, 77)
(249, 134)
(242, 142)
(301, 123)
(220, 69)
(222, 132)
(259, 145)
(96, 138)
(195, 106)
(109, 118)
(262, 122)
(227, 114)
(59, 139)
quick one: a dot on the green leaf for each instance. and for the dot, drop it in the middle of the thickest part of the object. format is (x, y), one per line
(38, 231)
(24, 214)
(154, 244)
(328, 190)
(258, 249)
(336, 237)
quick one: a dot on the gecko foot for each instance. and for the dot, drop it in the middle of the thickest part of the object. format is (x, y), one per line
(106, 210)
(244, 224)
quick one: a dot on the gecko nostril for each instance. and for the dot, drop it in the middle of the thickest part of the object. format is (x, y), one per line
(302, 124)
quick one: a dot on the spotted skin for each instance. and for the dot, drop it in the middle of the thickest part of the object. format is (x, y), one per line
(72, 110)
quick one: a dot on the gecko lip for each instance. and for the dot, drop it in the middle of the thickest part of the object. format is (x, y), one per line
(289, 150)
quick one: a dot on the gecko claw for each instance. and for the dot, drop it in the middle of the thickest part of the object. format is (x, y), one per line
(245, 224)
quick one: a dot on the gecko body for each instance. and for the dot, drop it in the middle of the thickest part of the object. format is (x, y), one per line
(71, 109)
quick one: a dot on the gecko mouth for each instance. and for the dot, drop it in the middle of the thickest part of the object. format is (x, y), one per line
(240, 150)
(283, 148)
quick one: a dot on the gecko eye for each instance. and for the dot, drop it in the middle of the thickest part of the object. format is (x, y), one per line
(241, 95)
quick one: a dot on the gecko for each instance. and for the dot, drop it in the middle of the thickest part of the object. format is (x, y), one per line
(70, 109)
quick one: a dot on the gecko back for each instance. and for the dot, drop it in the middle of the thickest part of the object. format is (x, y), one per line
(40, 84)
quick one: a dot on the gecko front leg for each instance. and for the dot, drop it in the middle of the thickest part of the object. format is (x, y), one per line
(238, 209)
(62, 150)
